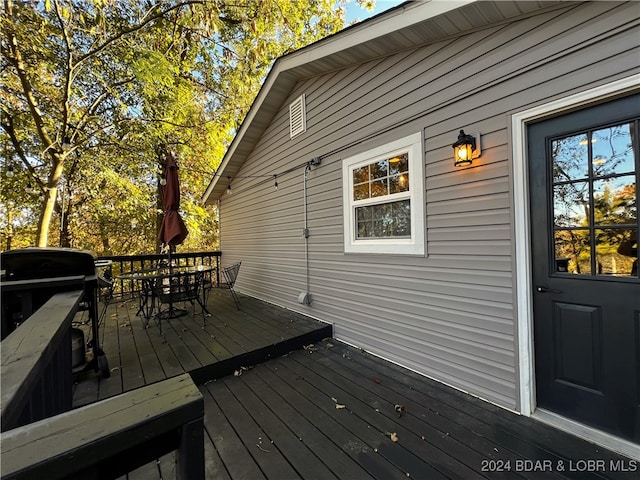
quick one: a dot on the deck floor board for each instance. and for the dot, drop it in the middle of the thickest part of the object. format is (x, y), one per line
(281, 415)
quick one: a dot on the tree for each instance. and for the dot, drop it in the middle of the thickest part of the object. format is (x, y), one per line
(92, 88)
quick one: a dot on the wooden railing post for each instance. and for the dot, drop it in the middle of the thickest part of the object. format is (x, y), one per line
(190, 454)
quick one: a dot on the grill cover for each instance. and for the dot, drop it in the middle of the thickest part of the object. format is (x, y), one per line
(38, 262)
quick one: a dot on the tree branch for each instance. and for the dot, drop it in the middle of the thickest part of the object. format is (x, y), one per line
(139, 26)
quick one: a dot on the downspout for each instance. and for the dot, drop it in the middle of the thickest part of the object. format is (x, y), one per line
(305, 296)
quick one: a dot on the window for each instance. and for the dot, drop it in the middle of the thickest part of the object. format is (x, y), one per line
(383, 192)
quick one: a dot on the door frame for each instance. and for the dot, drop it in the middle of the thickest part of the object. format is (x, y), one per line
(522, 259)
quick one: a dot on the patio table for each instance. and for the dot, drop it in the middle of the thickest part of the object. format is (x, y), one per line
(153, 280)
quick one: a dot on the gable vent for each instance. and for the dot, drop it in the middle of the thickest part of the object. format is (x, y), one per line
(297, 117)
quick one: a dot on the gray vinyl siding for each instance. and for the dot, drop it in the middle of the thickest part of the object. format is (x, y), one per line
(449, 314)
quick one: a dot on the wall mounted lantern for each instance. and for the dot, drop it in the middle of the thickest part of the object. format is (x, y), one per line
(466, 149)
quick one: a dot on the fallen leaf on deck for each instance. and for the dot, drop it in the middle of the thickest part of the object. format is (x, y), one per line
(237, 373)
(335, 400)
(400, 410)
(339, 406)
(263, 449)
(393, 436)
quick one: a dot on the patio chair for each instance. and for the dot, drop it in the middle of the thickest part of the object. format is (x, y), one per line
(180, 287)
(230, 274)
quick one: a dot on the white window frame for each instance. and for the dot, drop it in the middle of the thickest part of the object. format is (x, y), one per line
(415, 245)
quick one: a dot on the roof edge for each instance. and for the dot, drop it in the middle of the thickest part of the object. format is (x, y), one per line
(398, 18)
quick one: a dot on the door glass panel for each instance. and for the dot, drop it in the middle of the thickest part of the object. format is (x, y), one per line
(595, 200)
(570, 157)
(571, 204)
(615, 200)
(573, 251)
(616, 252)
(613, 150)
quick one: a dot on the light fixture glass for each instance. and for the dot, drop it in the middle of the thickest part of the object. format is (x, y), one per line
(463, 150)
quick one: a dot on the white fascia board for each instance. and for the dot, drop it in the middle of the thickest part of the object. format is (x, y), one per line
(368, 30)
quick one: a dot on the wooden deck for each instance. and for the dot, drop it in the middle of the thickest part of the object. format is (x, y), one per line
(228, 340)
(327, 410)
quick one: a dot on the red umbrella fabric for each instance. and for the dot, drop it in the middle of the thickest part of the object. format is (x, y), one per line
(173, 231)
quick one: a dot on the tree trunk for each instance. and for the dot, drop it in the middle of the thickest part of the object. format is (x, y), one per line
(9, 228)
(45, 218)
(50, 193)
(65, 235)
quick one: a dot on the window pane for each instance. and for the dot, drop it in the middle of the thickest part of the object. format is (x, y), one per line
(399, 183)
(617, 252)
(572, 251)
(612, 150)
(379, 188)
(360, 192)
(570, 158)
(399, 164)
(402, 215)
(615, 200)
(361, 175)
(364, 221)
(380, 169)
(571, 204)
(386, 220)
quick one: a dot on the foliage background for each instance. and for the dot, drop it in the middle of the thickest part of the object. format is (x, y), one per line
(116, 79)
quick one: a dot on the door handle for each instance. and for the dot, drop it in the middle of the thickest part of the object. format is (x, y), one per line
(543, 289)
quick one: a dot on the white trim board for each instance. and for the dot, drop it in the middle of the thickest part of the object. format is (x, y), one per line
(524, 307)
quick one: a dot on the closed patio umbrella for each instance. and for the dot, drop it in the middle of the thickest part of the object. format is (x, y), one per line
(173, 231)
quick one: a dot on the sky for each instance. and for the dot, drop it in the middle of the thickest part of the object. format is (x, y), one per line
(355, 12)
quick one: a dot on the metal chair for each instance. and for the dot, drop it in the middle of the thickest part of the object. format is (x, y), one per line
(180, 287)
(230, 275)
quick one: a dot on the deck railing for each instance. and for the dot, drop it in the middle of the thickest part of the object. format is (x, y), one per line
(42, 437)
(129, 263)
(36, 363)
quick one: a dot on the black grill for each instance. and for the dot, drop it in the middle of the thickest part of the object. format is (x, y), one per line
(32, 263)
(26, 289)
